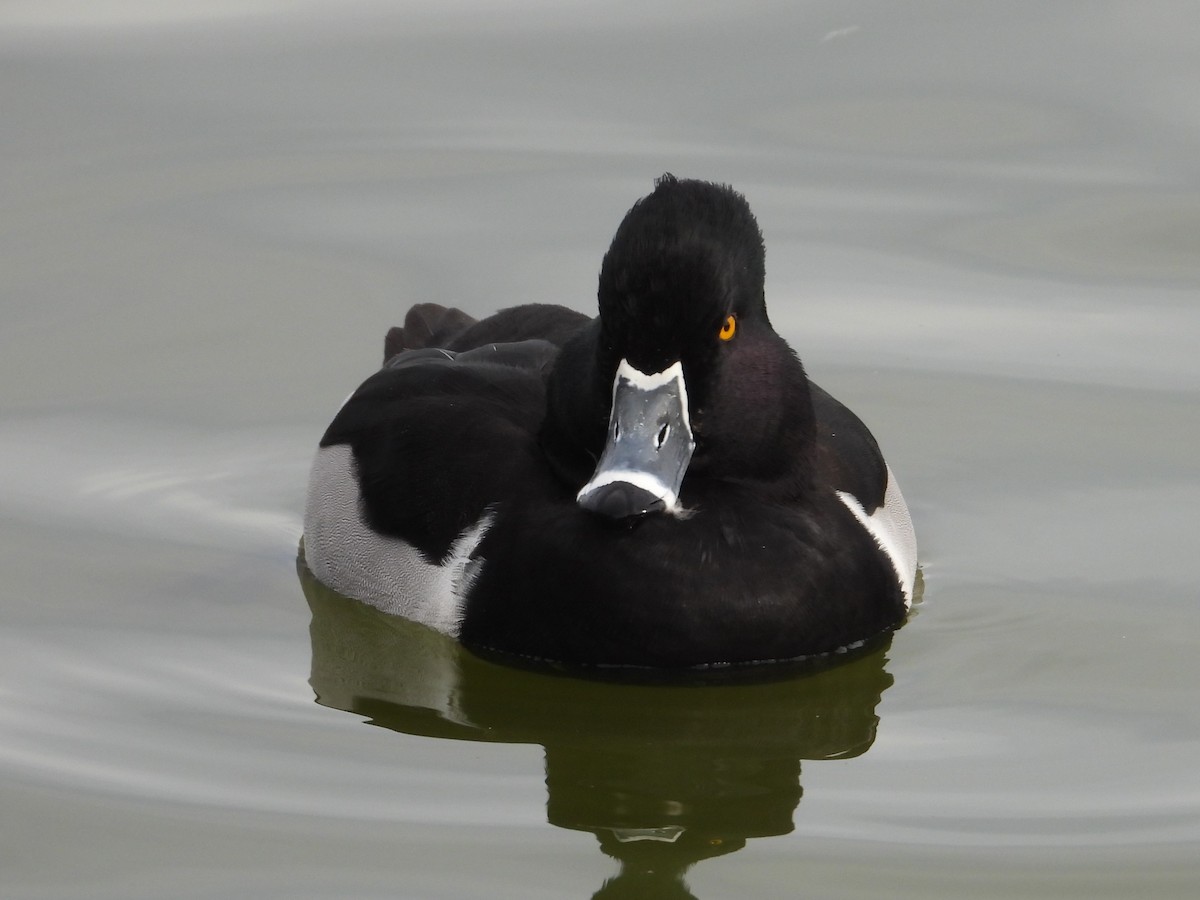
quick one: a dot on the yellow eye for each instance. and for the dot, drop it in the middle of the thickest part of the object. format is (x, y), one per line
(727, 330)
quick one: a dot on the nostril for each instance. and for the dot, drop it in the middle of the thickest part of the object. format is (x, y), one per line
(662, 437)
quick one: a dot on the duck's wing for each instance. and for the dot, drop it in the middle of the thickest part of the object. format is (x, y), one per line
(438, 438)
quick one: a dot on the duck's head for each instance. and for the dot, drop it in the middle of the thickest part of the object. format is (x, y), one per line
(700, 384)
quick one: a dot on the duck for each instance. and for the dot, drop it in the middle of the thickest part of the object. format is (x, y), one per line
(656, 487)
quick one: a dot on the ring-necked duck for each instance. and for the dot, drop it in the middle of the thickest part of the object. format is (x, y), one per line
(660, 486)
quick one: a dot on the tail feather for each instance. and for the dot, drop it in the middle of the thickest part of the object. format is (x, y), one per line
(426, 325)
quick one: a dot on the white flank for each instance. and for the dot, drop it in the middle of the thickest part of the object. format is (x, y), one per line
(891, 526)
(345, 554)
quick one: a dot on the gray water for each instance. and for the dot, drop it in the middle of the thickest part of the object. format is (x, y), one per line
(983, 230)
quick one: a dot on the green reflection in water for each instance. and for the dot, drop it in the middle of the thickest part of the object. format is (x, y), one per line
(663, 775)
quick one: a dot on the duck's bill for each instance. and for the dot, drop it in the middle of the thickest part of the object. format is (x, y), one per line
(649, 446)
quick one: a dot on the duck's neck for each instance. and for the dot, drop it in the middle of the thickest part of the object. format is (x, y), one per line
(758, 428)
(577, 408)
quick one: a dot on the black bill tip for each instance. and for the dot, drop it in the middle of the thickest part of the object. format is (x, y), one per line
(621, 500)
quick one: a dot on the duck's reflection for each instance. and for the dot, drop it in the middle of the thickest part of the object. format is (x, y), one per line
(663, 775)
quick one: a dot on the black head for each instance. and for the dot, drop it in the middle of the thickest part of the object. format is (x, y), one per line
(683, 260)
(684, 280)
(682, 383)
